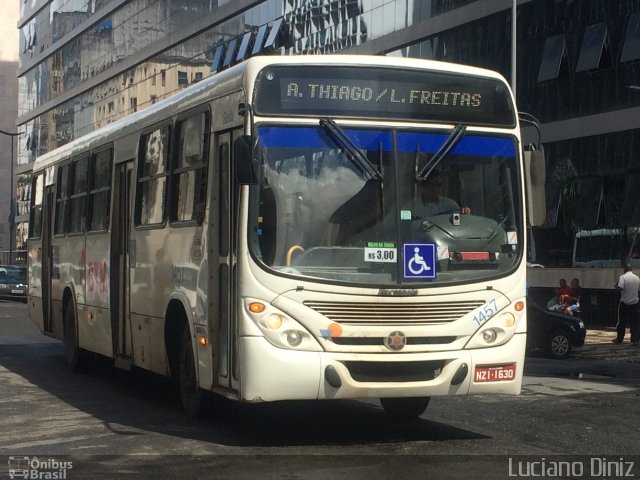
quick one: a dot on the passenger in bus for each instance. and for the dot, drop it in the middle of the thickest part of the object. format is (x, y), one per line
(431, 201)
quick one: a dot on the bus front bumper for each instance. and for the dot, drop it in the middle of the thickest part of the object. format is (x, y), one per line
(269, 373)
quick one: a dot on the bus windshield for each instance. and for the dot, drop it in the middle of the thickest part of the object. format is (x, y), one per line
(319, 211)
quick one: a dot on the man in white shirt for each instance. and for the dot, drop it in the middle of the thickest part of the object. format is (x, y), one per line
(629, 285)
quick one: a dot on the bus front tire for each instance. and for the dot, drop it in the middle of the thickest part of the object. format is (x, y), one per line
(71, 339)
(405, 409)
(190, 393)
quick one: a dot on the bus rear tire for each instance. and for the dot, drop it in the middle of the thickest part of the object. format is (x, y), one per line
(71, 338)
(190, 393)
(405, 409)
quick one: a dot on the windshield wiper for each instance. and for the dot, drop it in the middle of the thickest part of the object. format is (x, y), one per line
(451, 141)
(342, 140)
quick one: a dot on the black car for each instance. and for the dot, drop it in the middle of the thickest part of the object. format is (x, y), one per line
(13, 282)
(553, 332)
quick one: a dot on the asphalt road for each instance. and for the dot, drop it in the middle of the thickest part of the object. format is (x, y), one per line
(113, 424)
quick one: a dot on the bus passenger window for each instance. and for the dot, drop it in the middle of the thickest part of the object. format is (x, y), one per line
(99, 194)
(189, 174)
(152, 177)
(35, 222)
(77, 219)
(62, 200)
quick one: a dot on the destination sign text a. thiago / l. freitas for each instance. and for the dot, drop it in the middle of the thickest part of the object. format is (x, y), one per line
(377, 92)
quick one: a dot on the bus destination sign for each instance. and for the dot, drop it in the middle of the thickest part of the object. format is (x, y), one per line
(352, 95)
(384, 93)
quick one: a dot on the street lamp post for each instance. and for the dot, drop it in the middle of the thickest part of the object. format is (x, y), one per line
(13, 203)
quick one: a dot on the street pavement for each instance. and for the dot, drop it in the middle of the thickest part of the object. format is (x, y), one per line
(612, 366)
(599, 346)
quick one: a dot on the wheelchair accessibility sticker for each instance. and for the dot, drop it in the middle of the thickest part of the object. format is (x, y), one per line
(419, 260)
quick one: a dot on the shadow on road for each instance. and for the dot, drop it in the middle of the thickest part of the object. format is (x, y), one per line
(133, 403)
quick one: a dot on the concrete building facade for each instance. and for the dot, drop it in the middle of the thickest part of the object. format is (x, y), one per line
(8, 113)
(86, 63)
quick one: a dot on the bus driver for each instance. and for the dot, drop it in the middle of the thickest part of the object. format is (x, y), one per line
(431, 202)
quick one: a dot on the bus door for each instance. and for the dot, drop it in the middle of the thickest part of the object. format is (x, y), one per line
(47, 258)
(224, 294)
(119, 276)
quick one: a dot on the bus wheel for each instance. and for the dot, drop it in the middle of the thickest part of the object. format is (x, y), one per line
(405, 409)
(71, 338)
(190, 392)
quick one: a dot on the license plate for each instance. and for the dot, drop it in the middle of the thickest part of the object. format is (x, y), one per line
(17, 291)
(498, 373)
(3, 285)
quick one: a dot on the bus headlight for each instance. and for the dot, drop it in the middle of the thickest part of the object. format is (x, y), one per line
(273, 321)
(279, 328)
(489, 336)
(294, 337)
(497, 331)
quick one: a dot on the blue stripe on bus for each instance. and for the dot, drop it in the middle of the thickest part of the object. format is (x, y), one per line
(285, 137)
(468, 145)
(314, 137)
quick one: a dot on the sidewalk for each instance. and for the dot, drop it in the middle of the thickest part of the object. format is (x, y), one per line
(598, 346)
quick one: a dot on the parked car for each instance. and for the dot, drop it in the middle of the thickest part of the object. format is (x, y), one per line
(13, 282)
(553, 332)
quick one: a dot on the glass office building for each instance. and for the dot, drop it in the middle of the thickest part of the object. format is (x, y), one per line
(87, 63)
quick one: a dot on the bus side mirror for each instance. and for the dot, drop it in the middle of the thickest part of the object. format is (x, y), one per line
(534, 168)
(246, 159)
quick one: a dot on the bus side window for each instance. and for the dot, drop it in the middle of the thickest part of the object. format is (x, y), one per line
(189, 172)
(152, 177)
(62, 200)
(78, 198)
(35, 221)
(100, 190)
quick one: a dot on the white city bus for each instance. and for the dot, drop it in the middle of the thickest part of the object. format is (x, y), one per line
(260, 235)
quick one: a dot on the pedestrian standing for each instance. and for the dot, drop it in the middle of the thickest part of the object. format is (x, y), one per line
(629, 285)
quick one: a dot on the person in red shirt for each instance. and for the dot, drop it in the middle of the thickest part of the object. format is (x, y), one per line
(563, 291)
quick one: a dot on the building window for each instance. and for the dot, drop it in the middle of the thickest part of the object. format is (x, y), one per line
(163, 77)
(594, 43)
(554, 55)
(189, 175)
(100, 190)
(183, 81)
(230, 53)
(217, 56)
(133, 104)
(152, 177)
(631, 47)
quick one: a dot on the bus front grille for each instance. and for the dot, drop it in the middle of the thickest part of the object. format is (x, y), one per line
(378, 341)
(394, 371)
(360, 313)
